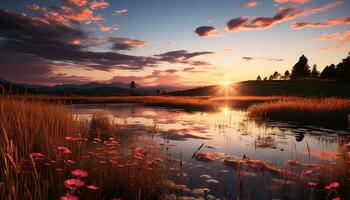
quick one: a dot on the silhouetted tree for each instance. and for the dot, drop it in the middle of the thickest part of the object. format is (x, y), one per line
(258, 78)
(265, 79)
(328, 72)
(343, 69)
(315, 73)
(286, 75)
(274, 76)
(301, 69)
(158, 92)
(132, 87)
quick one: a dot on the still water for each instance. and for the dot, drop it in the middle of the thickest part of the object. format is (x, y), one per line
(277, 154)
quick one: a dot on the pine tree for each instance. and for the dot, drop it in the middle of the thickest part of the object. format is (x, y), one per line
(301, 69)
(286, 75)
(315, 73)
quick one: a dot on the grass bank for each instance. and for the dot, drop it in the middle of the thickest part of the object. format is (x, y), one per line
(187, 103)
(46, 153)
(307, 110)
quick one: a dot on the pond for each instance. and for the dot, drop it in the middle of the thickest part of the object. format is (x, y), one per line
(238, 156)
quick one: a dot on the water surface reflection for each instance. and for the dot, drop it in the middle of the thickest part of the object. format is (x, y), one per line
(275, 154)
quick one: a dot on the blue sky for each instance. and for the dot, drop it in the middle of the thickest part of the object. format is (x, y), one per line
(155, 27)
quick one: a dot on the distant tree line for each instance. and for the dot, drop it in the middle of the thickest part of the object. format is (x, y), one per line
(301, 71)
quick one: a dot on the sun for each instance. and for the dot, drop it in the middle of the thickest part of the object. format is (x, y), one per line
(225, 83)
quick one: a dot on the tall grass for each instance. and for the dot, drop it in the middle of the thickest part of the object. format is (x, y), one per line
(309, 110)
(41, 143)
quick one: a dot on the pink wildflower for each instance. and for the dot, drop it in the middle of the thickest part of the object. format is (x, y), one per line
(70, 161)
(64, 150)
(69, 138)
(334, 185)
(92, 187)
(74, 183)
(309, 171)
(79, 173)
(69, 197)
(312, 184)
(38, 156)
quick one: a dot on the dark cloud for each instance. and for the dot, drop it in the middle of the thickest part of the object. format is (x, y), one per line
(171, 71)
(188, 69)
(206, 31)
(236, 23)
(31, 69)
(126, 43)
(192, 70)
(56, 42)
(246, 58)
(183, 57)
(37, 46)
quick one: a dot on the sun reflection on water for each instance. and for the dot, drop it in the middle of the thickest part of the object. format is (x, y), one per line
(225, 110)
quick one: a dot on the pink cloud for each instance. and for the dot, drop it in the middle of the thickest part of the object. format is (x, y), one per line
(342, 40)
(292, 1)
(98, 4)
(135, 43)
(283, 14)
(120, 12)
(167, 43)
(327, 23)
(251, 4)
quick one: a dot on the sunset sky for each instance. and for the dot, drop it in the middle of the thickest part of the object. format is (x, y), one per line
(162, 42)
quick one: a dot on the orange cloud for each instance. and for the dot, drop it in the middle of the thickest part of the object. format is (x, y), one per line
(84, 15)
(75, 42)
(251, 4)
(98, 4)
(120, 12)
(342, 40)
(327, 23)
(77, 2)
(53, 18)
(292, 1)
(105, 28)
(283, 14)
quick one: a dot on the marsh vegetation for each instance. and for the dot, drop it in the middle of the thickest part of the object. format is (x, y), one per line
(135, 151)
